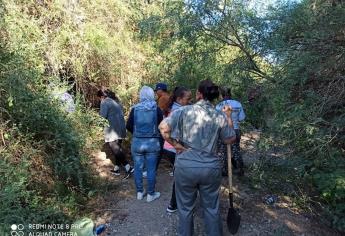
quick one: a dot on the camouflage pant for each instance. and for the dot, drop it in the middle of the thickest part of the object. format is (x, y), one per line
(237, 160)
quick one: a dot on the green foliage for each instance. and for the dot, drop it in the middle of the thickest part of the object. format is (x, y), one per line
(45, 172)
(287, 62)
(23, 180)
(199, 40)
(286, 67)
(40, 149)
(308, 96)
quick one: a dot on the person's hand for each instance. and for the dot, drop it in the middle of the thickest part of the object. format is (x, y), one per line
(227, 110)
(179, 148)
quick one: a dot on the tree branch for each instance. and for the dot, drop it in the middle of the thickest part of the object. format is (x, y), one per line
(239, 43)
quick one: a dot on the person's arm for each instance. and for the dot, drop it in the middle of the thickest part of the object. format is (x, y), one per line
(166, 134)
(227, 110)
(228, 132)
(103, 110)
(130, 121)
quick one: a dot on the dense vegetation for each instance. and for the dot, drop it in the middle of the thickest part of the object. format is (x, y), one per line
(286, 65)
(48, 48)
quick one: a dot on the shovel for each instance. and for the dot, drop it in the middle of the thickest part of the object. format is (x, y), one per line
(233, 220)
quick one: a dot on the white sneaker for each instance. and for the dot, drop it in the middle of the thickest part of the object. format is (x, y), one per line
(152, 197)
(144, 174)
(140, 195)
(129, 168)
(116, 170)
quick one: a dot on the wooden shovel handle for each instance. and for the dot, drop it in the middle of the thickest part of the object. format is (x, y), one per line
(229, 154)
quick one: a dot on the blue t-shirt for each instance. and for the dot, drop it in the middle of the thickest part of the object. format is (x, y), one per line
(237, 114)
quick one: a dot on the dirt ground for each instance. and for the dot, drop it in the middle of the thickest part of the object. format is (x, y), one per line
(125, 215)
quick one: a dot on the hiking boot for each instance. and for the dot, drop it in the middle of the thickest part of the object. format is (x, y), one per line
(153, 197)
(171, 209)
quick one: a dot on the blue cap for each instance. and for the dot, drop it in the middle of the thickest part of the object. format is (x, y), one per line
(161, 86)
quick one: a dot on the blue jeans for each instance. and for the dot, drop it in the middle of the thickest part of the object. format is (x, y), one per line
(145, 150)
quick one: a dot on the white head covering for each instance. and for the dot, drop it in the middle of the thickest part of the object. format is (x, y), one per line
(146, 94)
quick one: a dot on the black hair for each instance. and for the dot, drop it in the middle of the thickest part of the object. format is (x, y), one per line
(179, 92)
(225, 92)
(101, 93)
(107, 93)
(209, 90)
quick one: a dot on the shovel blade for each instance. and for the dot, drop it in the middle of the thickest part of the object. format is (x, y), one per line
(233, 220)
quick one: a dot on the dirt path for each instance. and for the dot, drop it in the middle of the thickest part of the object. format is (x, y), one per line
(127, 216)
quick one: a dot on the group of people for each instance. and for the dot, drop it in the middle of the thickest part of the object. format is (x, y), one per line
(191, 136)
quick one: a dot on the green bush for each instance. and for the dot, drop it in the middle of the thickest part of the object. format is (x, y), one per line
(308, 96)
(45, 174)
(26, 186)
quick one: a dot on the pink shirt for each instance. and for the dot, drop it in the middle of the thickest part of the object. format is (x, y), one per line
(168, 146)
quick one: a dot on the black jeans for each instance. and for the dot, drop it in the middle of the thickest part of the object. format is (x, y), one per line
(171, 157)
(116, 154)
(161, 153)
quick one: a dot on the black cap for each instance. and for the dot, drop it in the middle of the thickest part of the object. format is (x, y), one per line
(161, 86)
